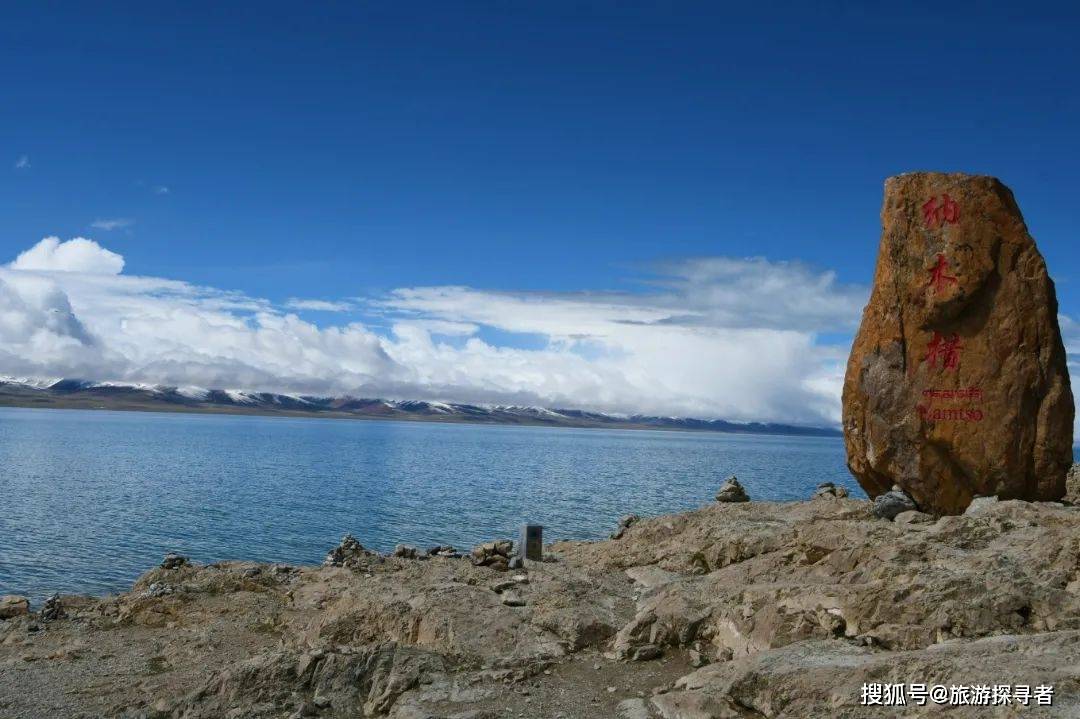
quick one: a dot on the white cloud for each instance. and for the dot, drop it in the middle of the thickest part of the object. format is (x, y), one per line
(703, 340)
(294, 303)
(161, 190)
(1070, 333)
(77, 255)
(22, 163)
(688, 351)
(116, 223)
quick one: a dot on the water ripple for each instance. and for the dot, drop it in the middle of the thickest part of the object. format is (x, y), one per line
(89, 500)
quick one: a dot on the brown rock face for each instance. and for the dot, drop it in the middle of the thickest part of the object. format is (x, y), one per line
(957, 384)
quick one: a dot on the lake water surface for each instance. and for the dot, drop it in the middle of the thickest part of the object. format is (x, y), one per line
(91, 499)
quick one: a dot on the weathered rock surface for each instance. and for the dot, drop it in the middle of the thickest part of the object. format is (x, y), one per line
(957, 384)
(12, 605)
(405, 551)
(625, 522)
(444, 550)
(828, 490)
(778, 610)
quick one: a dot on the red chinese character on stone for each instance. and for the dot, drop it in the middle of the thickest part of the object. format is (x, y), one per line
(945, 349)
(939, 280)
(935, 214)
(950, 211)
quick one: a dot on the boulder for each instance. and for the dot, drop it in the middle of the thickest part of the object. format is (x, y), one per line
(892, 503)
(12, 605)
(732, 491)
(404, 551)
(957, 384)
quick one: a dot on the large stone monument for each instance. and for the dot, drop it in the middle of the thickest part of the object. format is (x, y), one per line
(957, 384)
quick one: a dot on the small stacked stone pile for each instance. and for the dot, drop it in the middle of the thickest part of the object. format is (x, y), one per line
(496, 555)
(732, 491)
(349, 553)
(173, 560)
(51, 610)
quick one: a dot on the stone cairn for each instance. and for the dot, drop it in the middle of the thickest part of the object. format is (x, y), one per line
(496, 555)
(732, 491)
(52, 609)
(350, 553)
(173, 560)
(957, 385)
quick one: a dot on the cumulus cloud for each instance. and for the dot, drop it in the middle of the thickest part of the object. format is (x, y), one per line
(730, 338)
(161, 190)
(116, 223)
(690, 350)
(22, 163)
(76, 255)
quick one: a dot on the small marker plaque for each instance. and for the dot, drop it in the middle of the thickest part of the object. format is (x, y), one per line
(531, 545)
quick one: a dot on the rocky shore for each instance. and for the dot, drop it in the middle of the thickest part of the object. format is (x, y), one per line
(738, 609)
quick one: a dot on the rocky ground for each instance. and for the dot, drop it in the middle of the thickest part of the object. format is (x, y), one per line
(741, 609)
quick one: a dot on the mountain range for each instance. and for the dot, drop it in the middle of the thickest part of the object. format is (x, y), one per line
(83, 394)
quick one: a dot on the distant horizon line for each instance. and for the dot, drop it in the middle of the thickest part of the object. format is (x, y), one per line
(211, 400)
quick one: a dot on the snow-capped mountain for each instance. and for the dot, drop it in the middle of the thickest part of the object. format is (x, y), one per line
(77, 393)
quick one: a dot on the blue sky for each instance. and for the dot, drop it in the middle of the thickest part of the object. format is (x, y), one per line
(355, 151)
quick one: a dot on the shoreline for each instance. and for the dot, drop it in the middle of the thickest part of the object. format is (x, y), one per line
(775, 609)
(126, 587)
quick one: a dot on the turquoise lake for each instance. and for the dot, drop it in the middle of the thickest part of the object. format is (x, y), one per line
(91, 499)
